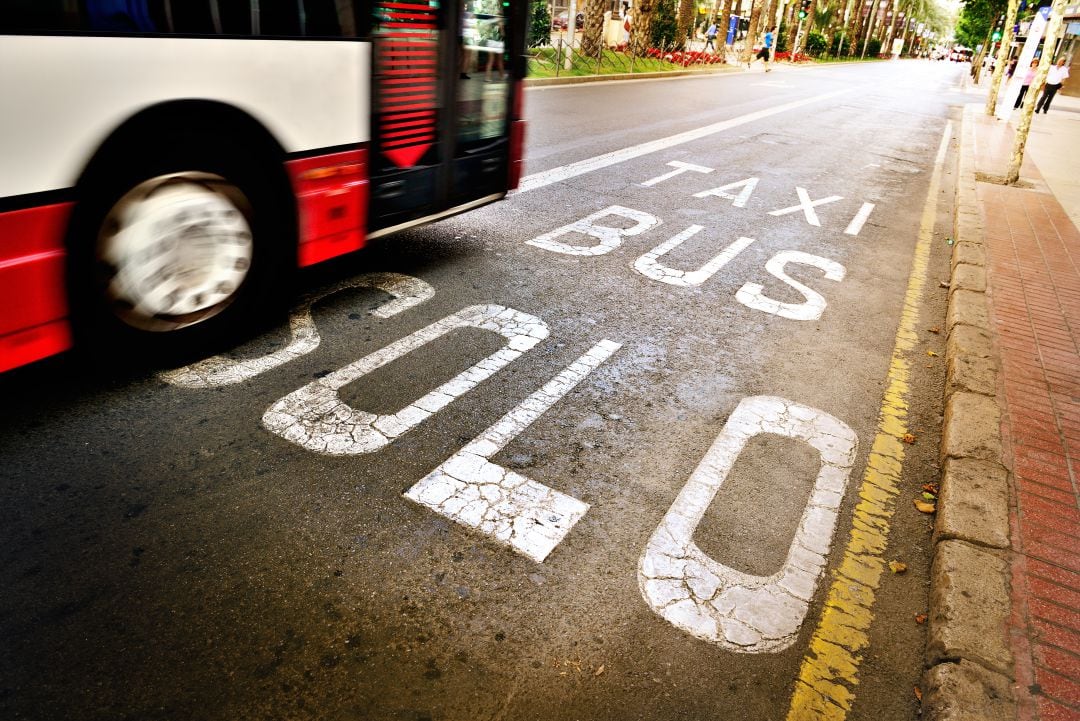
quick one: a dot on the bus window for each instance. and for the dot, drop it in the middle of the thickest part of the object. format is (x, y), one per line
(481, 97)
(24, 16)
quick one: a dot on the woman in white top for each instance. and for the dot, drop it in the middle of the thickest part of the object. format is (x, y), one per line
(1054, 79)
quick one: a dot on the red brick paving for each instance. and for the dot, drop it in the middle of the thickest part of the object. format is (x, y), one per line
(1033, 278)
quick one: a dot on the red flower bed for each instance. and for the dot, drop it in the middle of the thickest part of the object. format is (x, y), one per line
(799, 57)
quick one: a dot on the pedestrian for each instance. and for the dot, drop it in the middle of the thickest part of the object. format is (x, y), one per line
(710, 37)
(1028, 79)
(763, 54)
(1054, 80)
(1012, 68)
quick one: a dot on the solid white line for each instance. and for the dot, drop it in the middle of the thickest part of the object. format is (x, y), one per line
(565, 172)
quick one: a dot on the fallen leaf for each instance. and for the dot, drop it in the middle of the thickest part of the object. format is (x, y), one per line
(909, 438)
(920, 618)
(599, 671)
(930, 488)
(934, 330)
(918, 693)
(929, 497)
(924, 507)
(943, 283)
(897, 566)
(932, 354)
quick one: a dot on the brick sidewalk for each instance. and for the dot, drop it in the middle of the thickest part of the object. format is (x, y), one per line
(1033, 279)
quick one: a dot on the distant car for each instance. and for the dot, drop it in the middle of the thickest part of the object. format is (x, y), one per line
(561, 20)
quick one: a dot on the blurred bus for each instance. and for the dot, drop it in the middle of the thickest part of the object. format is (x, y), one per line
(166, 164)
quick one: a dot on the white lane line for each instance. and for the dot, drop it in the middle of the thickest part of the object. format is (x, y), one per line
(468, 488)
(565, 172)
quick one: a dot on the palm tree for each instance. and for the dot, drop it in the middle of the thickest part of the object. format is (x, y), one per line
(641, 26)
(592, 37)
(687, 11)
(725, 21)
(752, 32)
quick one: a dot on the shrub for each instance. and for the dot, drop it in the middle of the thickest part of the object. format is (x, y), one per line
(664, 24)
(539, 24)
(873, 48)
(815, 44)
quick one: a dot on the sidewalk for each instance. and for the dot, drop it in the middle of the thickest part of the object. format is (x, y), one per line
(1021, 246)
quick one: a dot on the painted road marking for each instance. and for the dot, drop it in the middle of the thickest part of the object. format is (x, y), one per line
(221, 370)
(565, 172)
(610, 237)
(807, 206)
(681, 168)
(471, 490)
(752, 296)
(316, 418)
(829, 672)
(648, 266)
(856, 223)
(714, 602)
(740, 200)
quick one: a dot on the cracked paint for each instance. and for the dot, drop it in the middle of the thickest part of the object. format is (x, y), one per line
(468, 488)
(719, 604)
(610, 237)
(649, 267)
(316, 418)
(752, 296)
(221, 370)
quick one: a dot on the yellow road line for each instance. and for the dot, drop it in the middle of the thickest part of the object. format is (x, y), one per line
(825, 688)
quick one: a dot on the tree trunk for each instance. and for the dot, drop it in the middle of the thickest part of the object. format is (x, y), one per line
(592, 36)
(641, 18)
(870, 27)
(792, 23)
(1057, 10)
(751, 34)
(725, 21)
(1002, 58)
(687, 11)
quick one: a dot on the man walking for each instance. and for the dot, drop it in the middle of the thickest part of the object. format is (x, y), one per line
(1054, 79)
(763, 54)
(710, 37)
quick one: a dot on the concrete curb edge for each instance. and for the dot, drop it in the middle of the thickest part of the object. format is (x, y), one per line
(969, 663)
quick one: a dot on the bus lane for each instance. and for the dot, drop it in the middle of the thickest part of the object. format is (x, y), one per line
(602, 463)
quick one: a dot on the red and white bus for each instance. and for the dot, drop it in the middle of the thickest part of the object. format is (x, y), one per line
(165, 164)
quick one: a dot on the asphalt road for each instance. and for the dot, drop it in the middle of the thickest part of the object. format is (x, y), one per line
(315, 542)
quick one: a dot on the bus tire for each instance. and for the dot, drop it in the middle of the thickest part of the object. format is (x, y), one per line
(178, 255)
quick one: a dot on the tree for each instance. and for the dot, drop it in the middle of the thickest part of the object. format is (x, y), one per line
(539, 24)
(641, 22)
(752, 32)
(1002, 58)
(592, 36)
(976, 19)
(1057, 10)
(664, 26)
(725, 20)
(687, 12)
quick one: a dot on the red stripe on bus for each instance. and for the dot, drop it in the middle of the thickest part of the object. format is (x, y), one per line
(410, 141)
(32, 290)
(331, 197)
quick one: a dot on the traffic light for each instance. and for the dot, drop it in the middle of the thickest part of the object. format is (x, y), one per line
(804, 9)
(996, 36)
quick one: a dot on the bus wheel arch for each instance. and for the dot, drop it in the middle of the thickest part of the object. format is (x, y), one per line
(169, 169)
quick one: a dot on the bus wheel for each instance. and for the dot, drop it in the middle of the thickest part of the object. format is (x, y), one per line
(177, 263)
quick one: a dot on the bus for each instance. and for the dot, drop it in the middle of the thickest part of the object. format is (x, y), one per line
(166, 165)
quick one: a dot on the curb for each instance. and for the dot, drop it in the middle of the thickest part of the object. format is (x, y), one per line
(970, 673)
(578, 79)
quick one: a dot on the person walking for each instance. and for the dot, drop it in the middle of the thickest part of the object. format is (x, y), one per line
(1054, 80)
(710, 37)
(1028, 79)
(763, 54)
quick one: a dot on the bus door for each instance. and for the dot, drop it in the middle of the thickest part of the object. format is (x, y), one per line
(442, 85)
